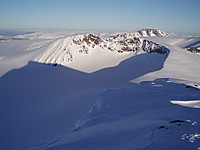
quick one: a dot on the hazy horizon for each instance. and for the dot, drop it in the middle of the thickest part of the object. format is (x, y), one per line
(178, 16)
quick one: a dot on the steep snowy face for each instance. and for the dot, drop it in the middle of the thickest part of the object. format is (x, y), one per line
(80, 49)
(142, 33)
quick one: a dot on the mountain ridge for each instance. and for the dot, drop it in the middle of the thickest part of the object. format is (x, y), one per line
(73, 48)
(145, 32)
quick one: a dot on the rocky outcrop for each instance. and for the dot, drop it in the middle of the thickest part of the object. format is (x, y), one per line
(195, 49)
(63, 51)
(134, 44)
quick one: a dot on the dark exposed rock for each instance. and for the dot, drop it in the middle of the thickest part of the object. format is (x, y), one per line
(88, 39)
(69, 56)
(78, 42)
(132, 44)
(188, 86)
(91, 38)
(149, 46)
(161, 127)
(195, 49)
(54, 64)
(176, 121)
(120, 51)
(84, 50)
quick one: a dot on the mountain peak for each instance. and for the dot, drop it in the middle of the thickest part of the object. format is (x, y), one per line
(151, 32)
(89, 39)
(145, 32)
(73, 51)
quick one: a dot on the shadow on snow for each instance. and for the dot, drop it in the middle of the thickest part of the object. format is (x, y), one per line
(40, 101)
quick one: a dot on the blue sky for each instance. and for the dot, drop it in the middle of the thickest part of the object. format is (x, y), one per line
(115, 15)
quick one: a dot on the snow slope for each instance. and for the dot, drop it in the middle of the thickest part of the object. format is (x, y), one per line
(139, 116)
(77, 52)
(81, 51)
(55, 97)
(15, 48)
(40, 101)
(180, 64)
(75, 93)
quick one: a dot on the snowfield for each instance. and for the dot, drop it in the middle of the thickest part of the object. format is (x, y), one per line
(139, 116)
(128, 91)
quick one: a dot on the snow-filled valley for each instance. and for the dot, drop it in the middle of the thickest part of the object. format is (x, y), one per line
(99, 91)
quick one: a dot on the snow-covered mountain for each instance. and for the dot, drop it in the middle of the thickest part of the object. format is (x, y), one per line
(142, 33)
(151, 32)
(99, 92)
(84, 48)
